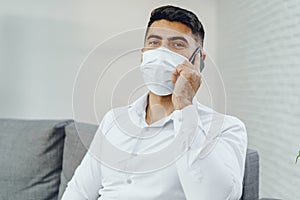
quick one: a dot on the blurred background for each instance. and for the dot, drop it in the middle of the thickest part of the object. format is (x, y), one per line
(252, 70)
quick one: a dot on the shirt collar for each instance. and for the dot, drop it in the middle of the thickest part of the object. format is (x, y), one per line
(137, 112)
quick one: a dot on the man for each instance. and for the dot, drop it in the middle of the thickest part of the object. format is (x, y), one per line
(207, 161)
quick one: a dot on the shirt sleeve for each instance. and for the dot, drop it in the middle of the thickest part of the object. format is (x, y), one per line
(86, 181)
(213, 166)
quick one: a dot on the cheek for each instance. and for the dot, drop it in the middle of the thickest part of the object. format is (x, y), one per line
(184, 53)
(188, 52)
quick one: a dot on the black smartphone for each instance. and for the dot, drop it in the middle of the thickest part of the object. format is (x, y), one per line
(192, 59)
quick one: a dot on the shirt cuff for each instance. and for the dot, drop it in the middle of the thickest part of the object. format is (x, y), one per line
(188, 116)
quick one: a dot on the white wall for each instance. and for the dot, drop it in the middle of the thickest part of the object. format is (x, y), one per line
(44, 43)
(259, 44)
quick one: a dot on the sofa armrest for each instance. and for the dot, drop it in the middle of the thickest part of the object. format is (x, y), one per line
(251, 176)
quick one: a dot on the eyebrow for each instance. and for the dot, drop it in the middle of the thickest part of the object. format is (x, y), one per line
(170, 39)
(154, 36)
(178, 38)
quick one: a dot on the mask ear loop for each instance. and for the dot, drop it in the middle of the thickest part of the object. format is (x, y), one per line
(192, 58)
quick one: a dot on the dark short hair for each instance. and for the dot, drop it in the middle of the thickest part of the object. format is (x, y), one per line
(177, 14)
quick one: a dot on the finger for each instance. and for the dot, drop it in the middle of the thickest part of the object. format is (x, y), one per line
(197, 63)
(188, 73)
(190, 69)
(177, 72)
(188, 64)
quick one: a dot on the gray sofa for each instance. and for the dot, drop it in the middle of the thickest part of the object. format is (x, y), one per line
(39, 157)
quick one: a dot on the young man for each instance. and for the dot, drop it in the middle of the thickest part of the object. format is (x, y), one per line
(197, 152)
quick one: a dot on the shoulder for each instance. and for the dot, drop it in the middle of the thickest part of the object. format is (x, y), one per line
(111, 116)
(228, 124)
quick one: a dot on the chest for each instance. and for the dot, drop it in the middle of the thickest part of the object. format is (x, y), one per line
(161, 184)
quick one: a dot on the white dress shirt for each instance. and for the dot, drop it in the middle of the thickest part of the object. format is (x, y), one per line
(208, 165)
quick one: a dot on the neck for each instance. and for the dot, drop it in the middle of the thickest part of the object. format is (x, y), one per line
(158, 107)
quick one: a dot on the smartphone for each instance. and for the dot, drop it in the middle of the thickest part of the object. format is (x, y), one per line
(192, 59)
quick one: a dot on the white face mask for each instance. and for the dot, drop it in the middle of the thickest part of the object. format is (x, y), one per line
(157, 67)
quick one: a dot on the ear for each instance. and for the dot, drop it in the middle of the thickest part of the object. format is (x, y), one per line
(203, 55)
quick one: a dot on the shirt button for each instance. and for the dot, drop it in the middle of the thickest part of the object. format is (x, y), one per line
(129, 181)
(134, 154)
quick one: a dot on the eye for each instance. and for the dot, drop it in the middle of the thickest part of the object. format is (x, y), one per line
(153, 43)
(178, 44)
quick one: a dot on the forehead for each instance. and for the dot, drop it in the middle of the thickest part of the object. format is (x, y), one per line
(165, 29)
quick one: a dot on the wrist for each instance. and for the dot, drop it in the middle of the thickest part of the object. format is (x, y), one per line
(181, 103)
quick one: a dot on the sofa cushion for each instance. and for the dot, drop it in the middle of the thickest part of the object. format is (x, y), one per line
(31, 158)
(77, 141)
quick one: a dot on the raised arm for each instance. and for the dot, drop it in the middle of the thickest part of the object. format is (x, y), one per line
(213, 168)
